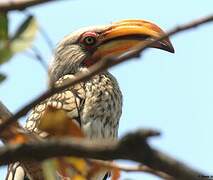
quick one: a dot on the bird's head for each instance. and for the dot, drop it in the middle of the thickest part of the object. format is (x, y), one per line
(85, 47)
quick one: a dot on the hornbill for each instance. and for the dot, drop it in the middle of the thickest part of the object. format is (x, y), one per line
(96, 104)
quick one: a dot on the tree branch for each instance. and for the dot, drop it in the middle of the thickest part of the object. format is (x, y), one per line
(101, 66)
(139, 168)
(12, 132)
(20, 5)
(4, 112)
(140, 151)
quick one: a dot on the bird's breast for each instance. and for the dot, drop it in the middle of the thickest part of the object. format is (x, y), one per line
(102, 107)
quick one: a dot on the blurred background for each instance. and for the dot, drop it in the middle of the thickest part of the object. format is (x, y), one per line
(172, 93)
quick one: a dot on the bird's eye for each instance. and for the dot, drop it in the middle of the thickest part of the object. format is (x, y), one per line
(90, 40)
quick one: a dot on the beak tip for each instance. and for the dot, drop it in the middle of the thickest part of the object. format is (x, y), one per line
(167, 45)
(171, 49)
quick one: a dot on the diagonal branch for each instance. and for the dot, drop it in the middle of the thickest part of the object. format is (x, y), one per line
(140, 151)
(20, 5)
(4, 112)
(12, 131)
(101, 66)
(139, 168)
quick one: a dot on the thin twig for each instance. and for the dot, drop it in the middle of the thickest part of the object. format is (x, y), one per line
(101, 66)
(42, 31)
(46, 37)
(20, 5)
(33, 54)
(139, 168)
(39, 57)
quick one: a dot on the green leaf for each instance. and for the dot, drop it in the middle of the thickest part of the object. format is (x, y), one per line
(2, 77)
(5, 54)
(25, 35)
(3, 26)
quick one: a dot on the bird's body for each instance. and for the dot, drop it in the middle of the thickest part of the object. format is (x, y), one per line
(95, 105)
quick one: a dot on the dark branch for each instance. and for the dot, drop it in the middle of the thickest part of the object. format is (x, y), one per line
(140, 151)
(4, 115)
(102, 65)
(4, 112)
(139, 168)
(12, 132)
(20, 5)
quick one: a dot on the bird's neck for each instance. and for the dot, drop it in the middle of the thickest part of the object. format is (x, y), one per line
(53, 81)
(104, 81)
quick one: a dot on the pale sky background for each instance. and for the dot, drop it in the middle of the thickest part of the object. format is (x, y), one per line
(169, 92)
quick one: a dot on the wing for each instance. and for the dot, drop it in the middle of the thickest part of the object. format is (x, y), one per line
(71, 100)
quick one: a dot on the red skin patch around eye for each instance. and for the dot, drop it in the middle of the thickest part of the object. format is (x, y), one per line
(86, 34)
(88, 62)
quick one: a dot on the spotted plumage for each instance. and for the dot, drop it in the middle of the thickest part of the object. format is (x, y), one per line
(95, 105)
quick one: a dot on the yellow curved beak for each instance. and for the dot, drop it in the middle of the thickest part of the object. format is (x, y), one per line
(127, 34)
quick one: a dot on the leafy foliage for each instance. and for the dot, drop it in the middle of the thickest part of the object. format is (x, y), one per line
(24, 35)
(21, 40)
(3, 26)
(5, 52)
